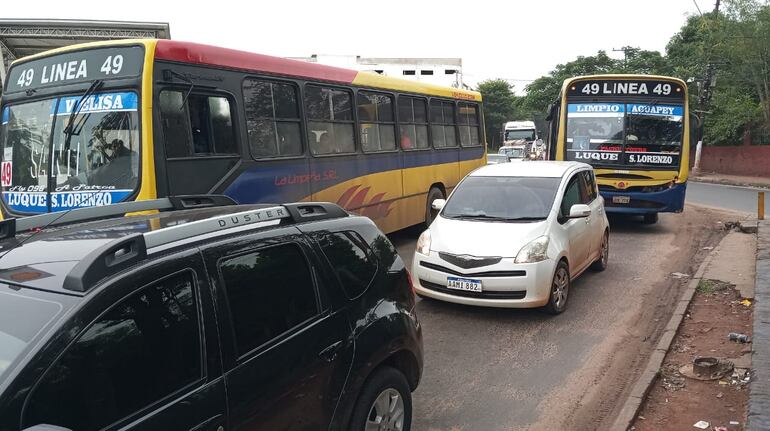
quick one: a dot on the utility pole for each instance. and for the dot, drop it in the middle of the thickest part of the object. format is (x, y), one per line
(704, 98)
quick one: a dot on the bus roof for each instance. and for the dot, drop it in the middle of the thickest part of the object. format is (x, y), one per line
(189, 52)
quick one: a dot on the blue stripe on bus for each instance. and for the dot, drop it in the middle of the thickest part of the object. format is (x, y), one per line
(595, 108)
(291, 180)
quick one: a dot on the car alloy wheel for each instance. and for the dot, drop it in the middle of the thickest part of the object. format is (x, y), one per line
(387, 412)
(560, 288)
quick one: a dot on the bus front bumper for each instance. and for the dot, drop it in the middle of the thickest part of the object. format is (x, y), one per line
(666, 201)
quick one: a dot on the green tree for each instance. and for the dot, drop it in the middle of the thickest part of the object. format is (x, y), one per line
(499, 107)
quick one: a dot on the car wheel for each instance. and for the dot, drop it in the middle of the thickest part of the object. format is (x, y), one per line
(650, 218)
(430, 213)
(604, 255)
(557, 300)
(385, 403)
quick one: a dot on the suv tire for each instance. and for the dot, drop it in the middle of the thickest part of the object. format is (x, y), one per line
(385, 398)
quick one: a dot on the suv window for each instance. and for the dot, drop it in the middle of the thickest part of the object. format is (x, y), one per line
(572, 195)
(269, 291)
(351, 259)
(145, 348)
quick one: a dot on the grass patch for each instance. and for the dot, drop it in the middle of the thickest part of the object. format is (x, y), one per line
(709, 287)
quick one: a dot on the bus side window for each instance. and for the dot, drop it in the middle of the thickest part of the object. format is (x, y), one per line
(204, 126)
(272, 118)
(469, 124)
(442, 118)
(176, 128)
(413, 116)
(330, 120)
(377, 124)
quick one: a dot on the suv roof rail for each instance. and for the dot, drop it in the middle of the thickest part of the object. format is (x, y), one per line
(125, 252)
(9, 227)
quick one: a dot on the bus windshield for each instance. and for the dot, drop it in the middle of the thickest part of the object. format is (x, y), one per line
(44, 171)
(513, 135)
(645, 136)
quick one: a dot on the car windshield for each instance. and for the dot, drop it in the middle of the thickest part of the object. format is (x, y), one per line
(633, 135)
(504, 198)
(97, 165)
(512, 135)
(21, 320)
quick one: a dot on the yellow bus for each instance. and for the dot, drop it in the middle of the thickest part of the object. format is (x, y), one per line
(635, 131)
(106, 122)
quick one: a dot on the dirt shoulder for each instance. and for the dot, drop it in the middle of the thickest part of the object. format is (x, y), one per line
(677, 401)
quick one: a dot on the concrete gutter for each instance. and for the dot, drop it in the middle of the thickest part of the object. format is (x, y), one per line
(759, 392)
(639, 392)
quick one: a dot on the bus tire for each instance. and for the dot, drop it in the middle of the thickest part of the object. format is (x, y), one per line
(430, 213)
(650, 218)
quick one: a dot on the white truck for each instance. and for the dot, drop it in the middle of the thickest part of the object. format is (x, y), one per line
(520, 140)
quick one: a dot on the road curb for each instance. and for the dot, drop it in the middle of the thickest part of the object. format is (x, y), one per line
(642, 386)
(730, 183)
(759, 391)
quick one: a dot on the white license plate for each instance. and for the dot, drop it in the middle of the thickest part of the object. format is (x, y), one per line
(468, 284)
(621, 199)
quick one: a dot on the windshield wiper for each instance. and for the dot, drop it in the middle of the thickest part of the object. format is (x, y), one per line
(69, 129)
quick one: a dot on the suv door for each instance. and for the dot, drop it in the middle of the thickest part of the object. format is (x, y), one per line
(287, 352)
(578, 230)
(147, 361)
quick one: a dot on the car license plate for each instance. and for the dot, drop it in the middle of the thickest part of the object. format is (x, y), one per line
(621, 199)
(468, 284)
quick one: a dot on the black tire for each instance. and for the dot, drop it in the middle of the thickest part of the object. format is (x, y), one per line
(601, 263)
(382, 380)
(430, 213)
(651, 218)
(558, 303)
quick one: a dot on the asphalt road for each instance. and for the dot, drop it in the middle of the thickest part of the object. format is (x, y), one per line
(743, 199)
(496, 369)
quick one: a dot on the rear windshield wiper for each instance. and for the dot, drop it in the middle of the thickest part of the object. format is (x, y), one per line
(69, 129)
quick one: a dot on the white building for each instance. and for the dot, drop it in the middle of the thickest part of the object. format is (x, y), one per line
(441, 71)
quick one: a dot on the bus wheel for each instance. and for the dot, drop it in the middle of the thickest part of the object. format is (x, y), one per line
(430, 213)
(651, 218)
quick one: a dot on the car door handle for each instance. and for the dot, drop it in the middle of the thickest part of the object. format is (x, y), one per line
(330, 353)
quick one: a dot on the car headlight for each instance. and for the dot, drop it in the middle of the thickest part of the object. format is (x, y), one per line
(535, 251)
(423, 243)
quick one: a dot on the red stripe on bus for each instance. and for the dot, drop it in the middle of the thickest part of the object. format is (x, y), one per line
(188, 52)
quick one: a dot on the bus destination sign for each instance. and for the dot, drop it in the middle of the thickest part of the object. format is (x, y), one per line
(78, 66)
(598, 88)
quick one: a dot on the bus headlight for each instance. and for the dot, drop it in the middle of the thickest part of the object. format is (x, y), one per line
(423, 243)
(535, 251)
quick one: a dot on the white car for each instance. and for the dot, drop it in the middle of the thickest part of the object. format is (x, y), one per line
(514, 235)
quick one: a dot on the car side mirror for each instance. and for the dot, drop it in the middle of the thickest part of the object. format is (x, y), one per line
(438, 204)
(579, 211)
(46, 427)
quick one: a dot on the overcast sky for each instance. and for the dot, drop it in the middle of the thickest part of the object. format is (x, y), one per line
(516, 40)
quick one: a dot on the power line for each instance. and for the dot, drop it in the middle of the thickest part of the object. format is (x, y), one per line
(697, 7)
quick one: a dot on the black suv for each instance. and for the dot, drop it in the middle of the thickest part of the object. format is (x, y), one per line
(222, 317)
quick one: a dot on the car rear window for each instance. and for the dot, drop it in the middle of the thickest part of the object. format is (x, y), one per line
(22, 318)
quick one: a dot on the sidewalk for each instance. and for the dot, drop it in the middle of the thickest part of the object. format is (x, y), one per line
(759, 397)
(711, 307)
(735, 180)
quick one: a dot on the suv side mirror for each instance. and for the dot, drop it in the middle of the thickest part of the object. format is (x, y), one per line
(438, 204)
(579, 211)
(46, 427)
